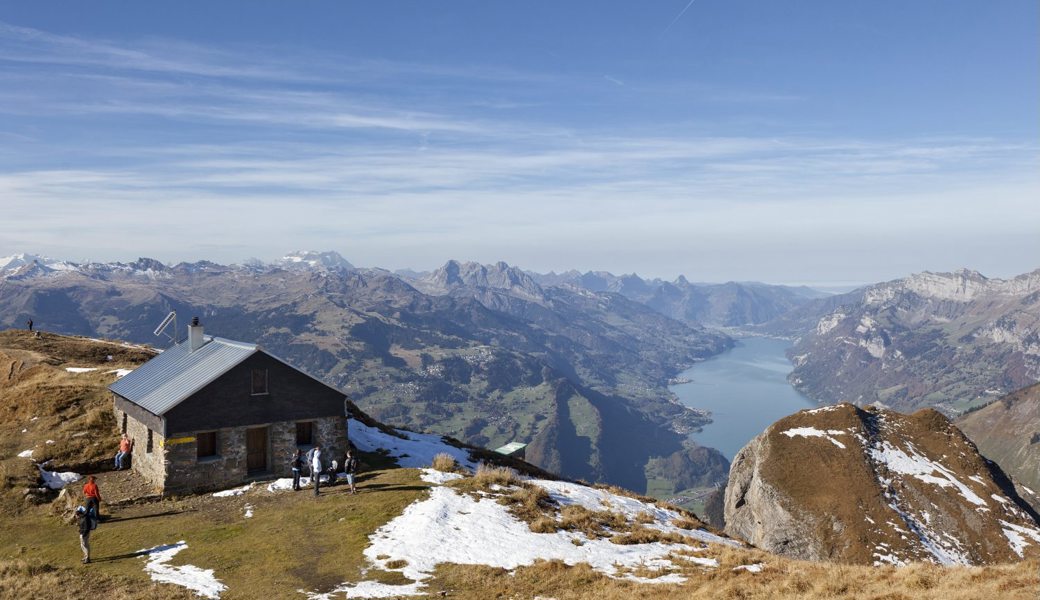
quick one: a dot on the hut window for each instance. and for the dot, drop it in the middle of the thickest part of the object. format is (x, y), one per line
(259, 386)
(206, 444)
(304, 433)
(124, 422)
(148, 446)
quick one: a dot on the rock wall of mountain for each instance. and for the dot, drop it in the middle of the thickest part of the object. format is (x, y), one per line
(876, 487)
(732, 304)
(948, 340)
(1008, 432)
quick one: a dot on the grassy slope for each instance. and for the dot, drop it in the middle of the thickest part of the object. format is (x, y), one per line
(296, 542)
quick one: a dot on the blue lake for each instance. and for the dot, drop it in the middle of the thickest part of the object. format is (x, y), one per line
(746, 391)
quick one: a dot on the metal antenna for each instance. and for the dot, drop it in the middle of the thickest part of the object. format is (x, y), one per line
(161, 329)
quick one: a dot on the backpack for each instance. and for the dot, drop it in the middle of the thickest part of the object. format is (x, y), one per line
(351, 465)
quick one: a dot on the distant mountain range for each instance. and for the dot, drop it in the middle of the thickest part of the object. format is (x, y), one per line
(949, 340)
(571, 363)
(485, 354)
(732, 304)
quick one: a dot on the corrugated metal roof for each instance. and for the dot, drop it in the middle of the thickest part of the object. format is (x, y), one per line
(511, 448)
(163, 382)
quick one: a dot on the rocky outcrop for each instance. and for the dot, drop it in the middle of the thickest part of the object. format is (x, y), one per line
(947, 340)
(876, 487)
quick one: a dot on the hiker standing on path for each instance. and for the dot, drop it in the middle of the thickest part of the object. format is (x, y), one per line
(350, 466)
(126, 446)
(296, 465)
(316, 467)
(93, 497)
(84, 532)
(30, 324)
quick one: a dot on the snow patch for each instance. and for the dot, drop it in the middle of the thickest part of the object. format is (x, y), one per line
(201, 581)
(813, 432)
(1017, 534)
(449, 527)
(234, 491)
(249, 511)
(565, 493)
(755, 568)
(119, 373)
(285, 483)
(80, 369)
(25, 454)
(57, 480)
(438, 477)
(916, 465)
(372, 589)
(416, 450)
(710, 563)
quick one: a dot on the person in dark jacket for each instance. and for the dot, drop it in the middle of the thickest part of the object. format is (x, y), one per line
(350, 467)
(30, 324)
(85, 526)
(296, 465)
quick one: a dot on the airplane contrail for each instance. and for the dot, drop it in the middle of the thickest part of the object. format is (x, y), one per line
(678, 16)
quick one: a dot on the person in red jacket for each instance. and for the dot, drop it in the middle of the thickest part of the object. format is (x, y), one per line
(93, 496)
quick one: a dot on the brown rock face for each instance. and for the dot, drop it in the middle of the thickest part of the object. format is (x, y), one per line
(874, 487)
(1008, 432)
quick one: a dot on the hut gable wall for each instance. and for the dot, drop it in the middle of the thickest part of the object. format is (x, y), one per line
(228, 400)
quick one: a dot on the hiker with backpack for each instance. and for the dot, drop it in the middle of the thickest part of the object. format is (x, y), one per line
(296, 464)
(86, 525)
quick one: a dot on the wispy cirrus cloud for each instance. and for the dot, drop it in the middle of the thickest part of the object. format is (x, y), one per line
(401, 164)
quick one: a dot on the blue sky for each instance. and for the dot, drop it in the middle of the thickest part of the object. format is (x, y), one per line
(815, 142)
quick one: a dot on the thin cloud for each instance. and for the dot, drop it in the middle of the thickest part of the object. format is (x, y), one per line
(677, 17)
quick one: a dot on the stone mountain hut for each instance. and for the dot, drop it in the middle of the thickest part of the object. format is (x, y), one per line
(210, 413)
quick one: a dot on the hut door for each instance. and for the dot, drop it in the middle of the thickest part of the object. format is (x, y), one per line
(256, 449)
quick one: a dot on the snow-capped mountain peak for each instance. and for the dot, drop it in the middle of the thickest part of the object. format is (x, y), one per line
(314, 260)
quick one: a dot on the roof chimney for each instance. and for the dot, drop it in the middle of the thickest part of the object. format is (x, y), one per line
(195, 339)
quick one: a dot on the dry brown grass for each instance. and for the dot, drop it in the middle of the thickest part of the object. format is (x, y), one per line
(782, 579)
(445, 463)
(65, 418)
(688, 522)
(644, 535)
(34, 579)
(593, 523)
(644, 518)
(487, 476)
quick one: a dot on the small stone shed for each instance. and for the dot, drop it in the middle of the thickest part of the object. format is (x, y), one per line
(210, 413)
